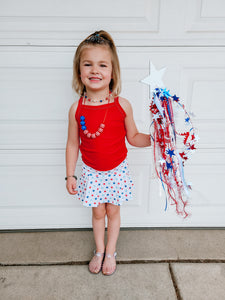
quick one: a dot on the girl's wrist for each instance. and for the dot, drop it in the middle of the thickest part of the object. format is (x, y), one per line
(74, 176)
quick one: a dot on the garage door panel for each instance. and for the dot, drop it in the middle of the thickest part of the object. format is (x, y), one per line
(33, 136)
(37, 94)
(33, 182)
(145, 23)
(205, 171)
(39, 97)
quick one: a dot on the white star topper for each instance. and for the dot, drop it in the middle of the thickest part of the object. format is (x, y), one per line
(154, 80)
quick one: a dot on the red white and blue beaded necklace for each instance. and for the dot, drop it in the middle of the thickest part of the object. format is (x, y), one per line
(101, 126)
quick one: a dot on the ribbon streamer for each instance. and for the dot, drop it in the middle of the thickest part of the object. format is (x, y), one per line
(169, 160)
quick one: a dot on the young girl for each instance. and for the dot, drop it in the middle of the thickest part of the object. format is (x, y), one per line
(98, 125)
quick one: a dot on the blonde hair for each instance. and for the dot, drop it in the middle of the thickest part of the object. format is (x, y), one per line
(98, 38)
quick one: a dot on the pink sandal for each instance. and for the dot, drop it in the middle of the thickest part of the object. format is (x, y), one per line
(96, 262)
(109, 256)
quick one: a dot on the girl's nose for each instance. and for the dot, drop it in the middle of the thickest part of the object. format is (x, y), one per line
(94, 70)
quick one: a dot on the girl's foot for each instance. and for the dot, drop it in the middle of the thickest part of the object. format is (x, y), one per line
(95, 265)
(109, 265)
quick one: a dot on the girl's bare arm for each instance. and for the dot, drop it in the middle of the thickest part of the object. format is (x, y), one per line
(134, 137)
(72, 149)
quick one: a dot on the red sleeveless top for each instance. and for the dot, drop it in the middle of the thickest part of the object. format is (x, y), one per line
(108, 150)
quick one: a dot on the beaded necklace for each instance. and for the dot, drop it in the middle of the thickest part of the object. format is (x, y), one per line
(101, 126)
(96, 101)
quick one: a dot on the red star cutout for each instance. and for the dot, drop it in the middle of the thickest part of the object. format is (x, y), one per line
(192, 147)
(183, 155)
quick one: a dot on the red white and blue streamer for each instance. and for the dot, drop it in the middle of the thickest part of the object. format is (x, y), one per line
(172, 148)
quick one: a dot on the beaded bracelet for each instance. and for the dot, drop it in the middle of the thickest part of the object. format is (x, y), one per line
(71, 176)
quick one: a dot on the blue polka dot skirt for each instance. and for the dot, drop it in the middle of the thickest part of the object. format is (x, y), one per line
(113, 186)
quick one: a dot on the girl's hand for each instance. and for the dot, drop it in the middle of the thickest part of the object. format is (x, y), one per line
(71, 185)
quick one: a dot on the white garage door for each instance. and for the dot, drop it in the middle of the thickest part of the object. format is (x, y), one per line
(38, 41)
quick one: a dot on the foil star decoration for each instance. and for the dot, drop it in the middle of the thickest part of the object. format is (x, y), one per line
(156, 116)
(175, 98)
(154, 80)
(170, 152)
(162, 161)
(196, 137)
(166, 93)
(168, 165)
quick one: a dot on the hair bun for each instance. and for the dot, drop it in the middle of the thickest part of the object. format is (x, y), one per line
(95, 38)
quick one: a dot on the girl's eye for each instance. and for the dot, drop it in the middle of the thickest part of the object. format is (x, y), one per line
(103, 66)
(87, 65)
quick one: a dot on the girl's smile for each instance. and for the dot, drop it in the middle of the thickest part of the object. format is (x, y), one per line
(96, 69)
(95, 78)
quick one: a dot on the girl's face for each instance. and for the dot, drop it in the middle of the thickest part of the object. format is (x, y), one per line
(96, 68)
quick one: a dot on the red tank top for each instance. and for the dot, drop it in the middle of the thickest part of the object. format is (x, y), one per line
(108, 150)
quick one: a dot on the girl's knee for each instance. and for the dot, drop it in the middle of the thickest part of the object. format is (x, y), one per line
(112, 210)
(99, 212)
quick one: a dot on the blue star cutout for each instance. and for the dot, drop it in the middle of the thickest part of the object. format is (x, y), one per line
(187, 119)
(170, 152)
(169, 165)
(157, 92)
(175, 98)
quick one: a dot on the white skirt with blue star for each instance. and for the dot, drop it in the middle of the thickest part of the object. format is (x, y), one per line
(113, 186)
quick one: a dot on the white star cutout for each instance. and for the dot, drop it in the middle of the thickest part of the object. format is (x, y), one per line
(162, 161)
(156, 116)
(196, 137)
(155, 78)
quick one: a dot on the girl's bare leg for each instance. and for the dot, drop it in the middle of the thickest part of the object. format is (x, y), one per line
(98, 222)
(113, 214)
